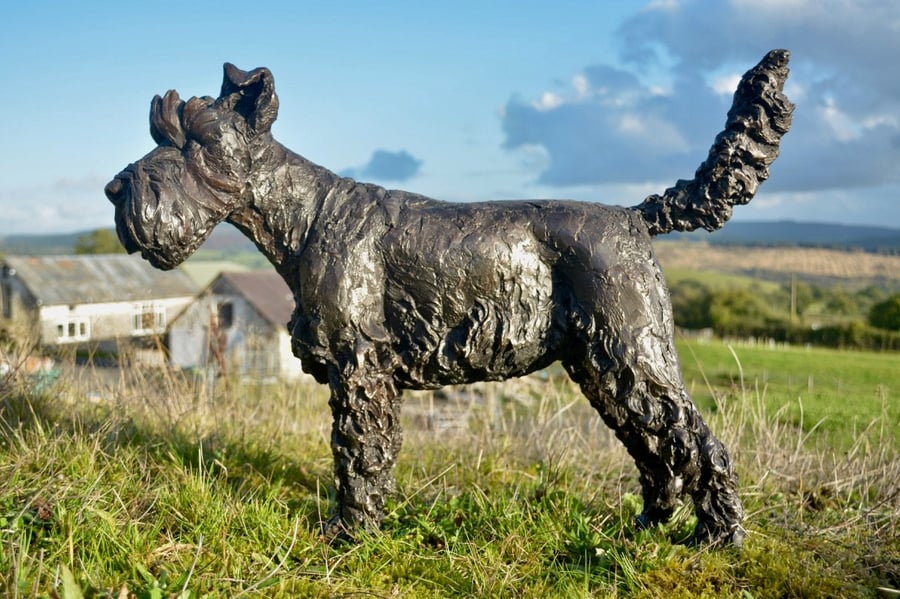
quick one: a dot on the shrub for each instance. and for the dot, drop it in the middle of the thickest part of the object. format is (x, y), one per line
(886, 314)
(690, 304)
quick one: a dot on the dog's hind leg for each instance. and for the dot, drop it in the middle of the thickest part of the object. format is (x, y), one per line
(631, 375)
(365, 440)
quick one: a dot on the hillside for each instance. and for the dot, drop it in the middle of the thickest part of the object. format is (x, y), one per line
(792, 233)
(41, 245)
(224, 238)
(816, 265)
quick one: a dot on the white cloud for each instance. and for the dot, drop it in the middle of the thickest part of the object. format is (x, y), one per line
(881, 120)
(547, 101)
(581, 85)
(632, 124)
(620, 126)
(776, 6)
(841, 124)
(725, 85)
(612, 128)
(796, 90)
(665, 5)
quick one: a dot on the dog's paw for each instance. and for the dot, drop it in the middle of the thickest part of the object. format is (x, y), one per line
(335, 532)
(716, 536)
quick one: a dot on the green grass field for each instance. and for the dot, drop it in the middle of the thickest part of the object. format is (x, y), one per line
(156, 486)
(835, 392)
(718, 281)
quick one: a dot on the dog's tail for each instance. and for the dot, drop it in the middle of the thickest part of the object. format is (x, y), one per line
(738, 160)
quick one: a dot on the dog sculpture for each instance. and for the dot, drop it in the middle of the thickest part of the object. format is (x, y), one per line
(398, 291)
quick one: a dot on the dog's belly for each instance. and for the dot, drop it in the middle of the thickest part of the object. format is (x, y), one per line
(472, 305)
(487, 344)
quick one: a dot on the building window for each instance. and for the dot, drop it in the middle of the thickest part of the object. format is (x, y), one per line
(149, 318)
(225, 314)
(73, 329)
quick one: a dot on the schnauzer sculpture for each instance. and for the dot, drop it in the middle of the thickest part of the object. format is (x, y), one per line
(398, 291)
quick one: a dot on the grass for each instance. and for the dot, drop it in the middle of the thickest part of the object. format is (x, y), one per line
(147, 484)
(838, 393)
(720, 281)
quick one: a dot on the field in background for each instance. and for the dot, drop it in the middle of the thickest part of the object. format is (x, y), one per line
(853, 269)
(832, 395)
(802, 295)
(156, 485)
(719, 281)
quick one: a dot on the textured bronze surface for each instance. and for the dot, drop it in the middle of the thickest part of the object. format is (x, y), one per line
(398, 291)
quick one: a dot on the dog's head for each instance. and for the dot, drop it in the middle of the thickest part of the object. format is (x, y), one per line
(168, 202)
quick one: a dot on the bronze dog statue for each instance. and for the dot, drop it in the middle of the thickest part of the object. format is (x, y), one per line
(398, 291)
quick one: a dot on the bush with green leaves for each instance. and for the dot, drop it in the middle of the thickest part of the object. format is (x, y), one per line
(886, 314)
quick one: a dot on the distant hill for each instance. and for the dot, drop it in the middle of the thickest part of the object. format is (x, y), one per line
(41, 245)
(819, 266)
(225, 238)
(792, 233)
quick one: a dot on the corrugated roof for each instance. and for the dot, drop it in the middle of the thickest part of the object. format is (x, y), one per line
(266, 291)
(97, 278)
(203, 272)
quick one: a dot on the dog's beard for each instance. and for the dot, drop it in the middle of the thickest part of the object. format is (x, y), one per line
(168, 213)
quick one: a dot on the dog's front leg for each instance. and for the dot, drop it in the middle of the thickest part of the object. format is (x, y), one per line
(365, 439)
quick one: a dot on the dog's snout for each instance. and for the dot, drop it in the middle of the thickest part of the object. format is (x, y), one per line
(114, 189)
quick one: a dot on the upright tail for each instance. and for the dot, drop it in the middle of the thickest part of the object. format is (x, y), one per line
(738, 160)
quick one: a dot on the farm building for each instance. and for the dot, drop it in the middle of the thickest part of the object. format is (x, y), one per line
(78, 300)
(238, 325)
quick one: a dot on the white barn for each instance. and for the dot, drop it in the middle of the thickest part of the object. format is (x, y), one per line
(88, 299)
(238, 325)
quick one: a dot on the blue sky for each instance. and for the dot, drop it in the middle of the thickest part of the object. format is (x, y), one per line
(603, 101)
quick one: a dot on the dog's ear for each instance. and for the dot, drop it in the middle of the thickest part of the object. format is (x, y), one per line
(165, 119)
(252, 95)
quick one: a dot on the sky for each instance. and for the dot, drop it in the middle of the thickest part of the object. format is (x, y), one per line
(600, 101)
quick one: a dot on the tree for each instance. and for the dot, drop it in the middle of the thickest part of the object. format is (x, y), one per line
(886, 314)
(739, 312)
(690, 304)
(839, 301)
(99, 241)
